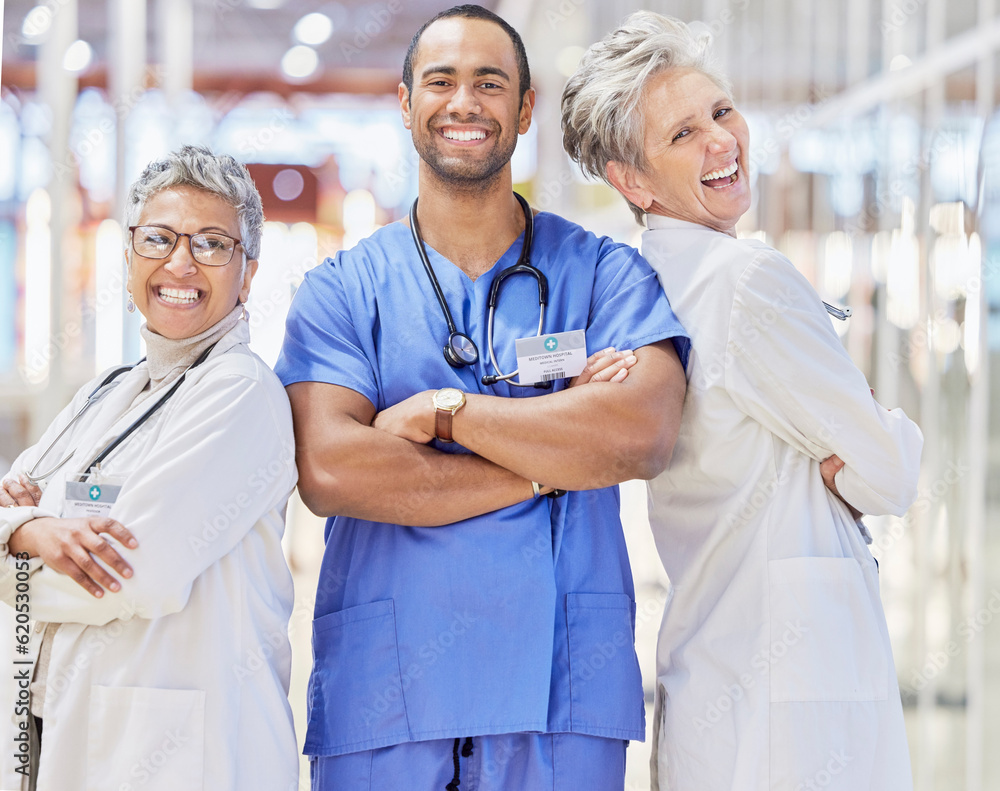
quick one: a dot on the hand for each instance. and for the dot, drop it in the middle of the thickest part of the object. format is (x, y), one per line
(828, 469)
(71, 546)
(412, 418)
(19, 492)
(607, 365)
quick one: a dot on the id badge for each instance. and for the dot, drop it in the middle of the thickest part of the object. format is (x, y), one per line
(91, 494)
(546, 358)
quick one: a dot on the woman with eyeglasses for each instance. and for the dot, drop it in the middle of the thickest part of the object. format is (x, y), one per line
(143, 530)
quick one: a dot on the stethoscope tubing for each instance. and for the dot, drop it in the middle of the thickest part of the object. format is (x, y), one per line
(100, 457)
(499, 376)
(111, 446)
(418, 241)
(96, 394)
(469, 354)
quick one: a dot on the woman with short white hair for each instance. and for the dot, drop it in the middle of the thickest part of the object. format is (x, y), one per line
(774, 669)
(143, 529)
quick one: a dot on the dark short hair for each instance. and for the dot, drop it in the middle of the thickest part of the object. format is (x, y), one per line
(471, 12)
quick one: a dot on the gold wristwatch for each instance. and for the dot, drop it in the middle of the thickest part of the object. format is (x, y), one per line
(447, 401)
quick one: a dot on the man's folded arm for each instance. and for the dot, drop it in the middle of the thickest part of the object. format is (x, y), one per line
(584, 437)
(348, 468)
(578, 438)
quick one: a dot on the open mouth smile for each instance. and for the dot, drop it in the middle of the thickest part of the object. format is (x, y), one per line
(178, 296)
(722, 177)
(464, 135)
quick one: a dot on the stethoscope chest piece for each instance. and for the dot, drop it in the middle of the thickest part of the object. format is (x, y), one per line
(460, 350)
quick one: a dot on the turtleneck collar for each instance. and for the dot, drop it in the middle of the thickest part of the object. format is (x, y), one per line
(167, 359)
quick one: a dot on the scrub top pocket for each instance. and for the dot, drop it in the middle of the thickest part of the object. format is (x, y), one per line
(139, 737)
(605, 683)
(352, 707)
(826, 642)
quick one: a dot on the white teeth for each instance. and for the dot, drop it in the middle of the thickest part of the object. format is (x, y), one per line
(179, 296)
(720, 174)
(465, 136)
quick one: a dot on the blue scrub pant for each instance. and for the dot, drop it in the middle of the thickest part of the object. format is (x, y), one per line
(508, 762)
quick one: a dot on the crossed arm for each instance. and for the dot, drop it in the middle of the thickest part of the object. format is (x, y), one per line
(354, 462)
(69, 546)
(162, 535)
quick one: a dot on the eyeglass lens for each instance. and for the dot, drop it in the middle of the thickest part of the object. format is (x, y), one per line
(211, 249)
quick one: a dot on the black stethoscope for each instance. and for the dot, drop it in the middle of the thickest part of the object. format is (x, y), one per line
(98, 393)
(460, 350)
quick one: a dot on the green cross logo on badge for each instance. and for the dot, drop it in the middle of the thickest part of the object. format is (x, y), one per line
(551, 344)
(95, 492)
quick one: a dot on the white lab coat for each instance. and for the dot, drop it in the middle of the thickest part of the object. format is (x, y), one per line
(180, 680)
(774, 669)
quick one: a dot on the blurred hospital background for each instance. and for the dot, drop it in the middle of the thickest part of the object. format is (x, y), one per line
(876, 157)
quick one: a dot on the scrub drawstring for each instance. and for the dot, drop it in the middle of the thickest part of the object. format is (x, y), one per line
(466, 753)
(453, 785)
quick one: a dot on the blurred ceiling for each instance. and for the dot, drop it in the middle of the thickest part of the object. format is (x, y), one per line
(777, 51)
(240, 43)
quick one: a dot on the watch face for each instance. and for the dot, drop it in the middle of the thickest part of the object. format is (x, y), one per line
(448, 398)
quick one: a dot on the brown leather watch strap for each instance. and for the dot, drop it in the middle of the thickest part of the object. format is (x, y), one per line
(442, 424)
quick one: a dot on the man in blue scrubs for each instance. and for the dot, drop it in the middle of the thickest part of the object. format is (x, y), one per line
(471, 632)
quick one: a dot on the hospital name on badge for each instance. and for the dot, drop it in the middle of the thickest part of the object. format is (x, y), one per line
(91, 495)
(546, 358)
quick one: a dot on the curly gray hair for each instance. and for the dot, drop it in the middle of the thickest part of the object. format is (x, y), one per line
(603, 117)
(220, 174)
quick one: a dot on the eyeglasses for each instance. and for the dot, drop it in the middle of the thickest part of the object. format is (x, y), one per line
(210, 249)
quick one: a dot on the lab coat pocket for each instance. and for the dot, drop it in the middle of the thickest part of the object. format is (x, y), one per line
(826, 643)
(605, 684)
(140, 737)
(355, 692)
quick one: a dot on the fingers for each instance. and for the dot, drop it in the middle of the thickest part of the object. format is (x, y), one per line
(117, 530)
(599, 354)
(613, 367)
(32, 489)
(107, 553)
(74, 547)
(588, 370)
(14, 493)
(832, 462)
(607, 365)
(829, 469)
(92, 576)
(75, 573)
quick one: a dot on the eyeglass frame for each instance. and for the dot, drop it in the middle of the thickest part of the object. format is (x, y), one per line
(190, 238)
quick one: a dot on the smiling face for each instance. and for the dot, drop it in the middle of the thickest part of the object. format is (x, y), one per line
(697, 146)
(179, 297)
(464, 111)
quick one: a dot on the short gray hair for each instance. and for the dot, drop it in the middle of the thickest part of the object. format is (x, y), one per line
(603, 117)
(219, 174)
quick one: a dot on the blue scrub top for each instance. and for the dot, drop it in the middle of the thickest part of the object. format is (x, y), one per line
(518, 620)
